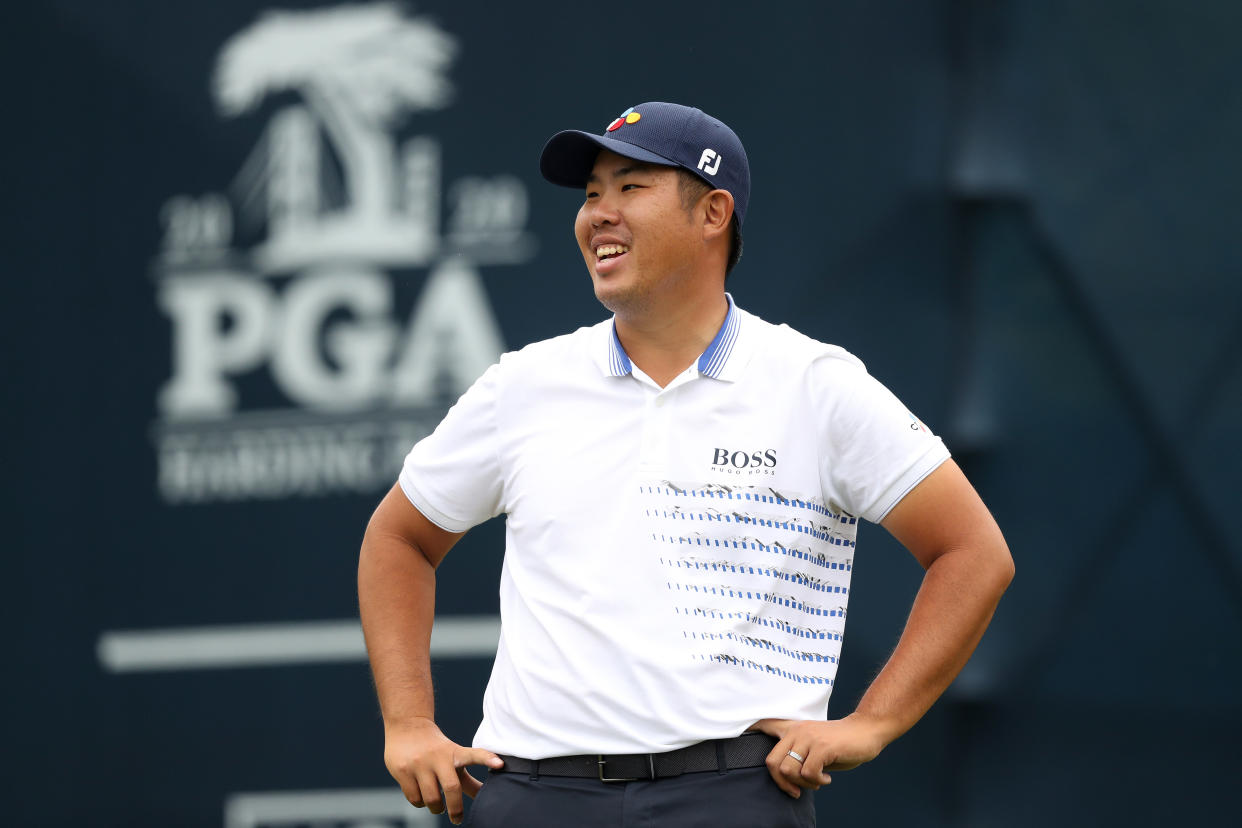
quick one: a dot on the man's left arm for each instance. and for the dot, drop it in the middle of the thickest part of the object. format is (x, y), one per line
(946, 526)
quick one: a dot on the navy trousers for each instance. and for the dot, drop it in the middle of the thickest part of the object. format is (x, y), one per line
(742, 798)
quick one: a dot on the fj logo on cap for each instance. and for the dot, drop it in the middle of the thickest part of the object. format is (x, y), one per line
(711, 157)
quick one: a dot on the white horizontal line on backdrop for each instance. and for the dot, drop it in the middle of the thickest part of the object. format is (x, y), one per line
(380, 806)
(276, 645)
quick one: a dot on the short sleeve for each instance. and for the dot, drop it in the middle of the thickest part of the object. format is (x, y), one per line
(874, 450)
(453, 474)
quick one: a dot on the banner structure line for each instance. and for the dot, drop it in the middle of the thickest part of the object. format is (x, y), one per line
(277, 645)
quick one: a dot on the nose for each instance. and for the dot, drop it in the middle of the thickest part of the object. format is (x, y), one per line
(602, 210)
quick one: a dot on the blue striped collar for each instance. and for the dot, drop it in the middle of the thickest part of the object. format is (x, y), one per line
(712, 362)
(618, 360)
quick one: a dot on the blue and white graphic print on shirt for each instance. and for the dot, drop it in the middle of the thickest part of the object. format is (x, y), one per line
(759, 578)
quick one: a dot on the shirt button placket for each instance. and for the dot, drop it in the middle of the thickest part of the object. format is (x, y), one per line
(662, 421)
(648, 459)
(655, 442)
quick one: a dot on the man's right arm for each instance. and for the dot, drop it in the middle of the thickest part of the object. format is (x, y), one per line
(396, 599)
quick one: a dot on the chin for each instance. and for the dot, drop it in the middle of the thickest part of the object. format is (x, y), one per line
(606, 298)
(621, 300)
(608, 294)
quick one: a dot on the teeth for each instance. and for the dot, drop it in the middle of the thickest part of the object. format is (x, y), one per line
(610, 250)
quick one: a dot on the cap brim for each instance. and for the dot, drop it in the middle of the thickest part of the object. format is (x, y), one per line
(568, 156)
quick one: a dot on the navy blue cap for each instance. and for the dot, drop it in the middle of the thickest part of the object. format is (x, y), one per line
(667, 134)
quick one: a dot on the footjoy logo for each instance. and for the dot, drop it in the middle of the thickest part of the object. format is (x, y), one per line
(765, 458)
(709, 161)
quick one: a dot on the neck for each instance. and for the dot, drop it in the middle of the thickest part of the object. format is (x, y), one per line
(666, 342)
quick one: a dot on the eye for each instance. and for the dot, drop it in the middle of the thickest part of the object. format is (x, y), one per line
(625, 187)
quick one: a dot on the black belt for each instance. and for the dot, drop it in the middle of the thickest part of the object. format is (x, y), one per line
(746, 751)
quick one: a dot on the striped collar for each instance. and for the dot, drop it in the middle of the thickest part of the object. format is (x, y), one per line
(711, 363)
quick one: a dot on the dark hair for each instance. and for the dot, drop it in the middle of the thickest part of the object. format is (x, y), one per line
(692, 189)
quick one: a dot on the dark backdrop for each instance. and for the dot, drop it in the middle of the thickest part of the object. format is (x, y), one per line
(1022, 215)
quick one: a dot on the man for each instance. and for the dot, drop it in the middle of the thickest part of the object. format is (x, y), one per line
(682, 485)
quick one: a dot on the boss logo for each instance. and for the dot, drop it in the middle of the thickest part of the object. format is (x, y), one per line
(745, 460)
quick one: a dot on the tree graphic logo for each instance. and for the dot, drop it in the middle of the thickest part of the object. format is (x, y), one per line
(360, 70)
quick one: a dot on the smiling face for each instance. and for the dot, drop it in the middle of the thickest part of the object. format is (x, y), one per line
(640, 243)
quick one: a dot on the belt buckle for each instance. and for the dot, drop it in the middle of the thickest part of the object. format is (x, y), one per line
(601, 761)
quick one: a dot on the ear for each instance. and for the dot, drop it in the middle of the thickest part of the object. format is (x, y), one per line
(717, 213)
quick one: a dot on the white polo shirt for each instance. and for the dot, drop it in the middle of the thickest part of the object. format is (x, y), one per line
(677, 561)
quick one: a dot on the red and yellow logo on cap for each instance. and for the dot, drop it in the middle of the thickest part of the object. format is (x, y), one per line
(629, 116)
